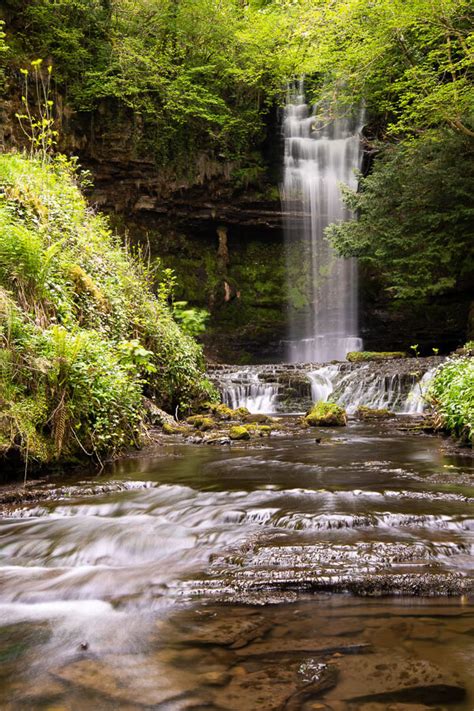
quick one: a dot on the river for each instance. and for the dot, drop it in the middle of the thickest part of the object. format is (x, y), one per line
(317, 569)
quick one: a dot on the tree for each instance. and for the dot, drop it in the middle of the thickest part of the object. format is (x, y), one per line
(415, 215)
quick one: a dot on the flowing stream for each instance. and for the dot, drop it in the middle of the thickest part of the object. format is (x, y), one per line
(326, 569)
(318, 157)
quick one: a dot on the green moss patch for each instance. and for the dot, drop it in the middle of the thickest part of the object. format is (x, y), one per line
(326, 414)
(364, 356)
(239, 432)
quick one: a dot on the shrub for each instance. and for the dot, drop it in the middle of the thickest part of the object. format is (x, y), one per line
(83, 336)
(452, 394)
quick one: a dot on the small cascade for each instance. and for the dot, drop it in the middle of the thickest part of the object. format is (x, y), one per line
(243, 388)
(402, 393)
(319, 155)
(417, 402)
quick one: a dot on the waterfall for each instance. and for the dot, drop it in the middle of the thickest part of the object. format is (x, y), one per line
(318, 156)
(243, 388)
(363, 387)
(416, 401)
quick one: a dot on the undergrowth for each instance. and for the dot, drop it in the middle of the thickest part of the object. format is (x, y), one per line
(83, 336)
(452, 394)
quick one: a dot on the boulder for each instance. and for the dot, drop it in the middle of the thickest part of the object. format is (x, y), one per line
(239, 432)
(326, 414)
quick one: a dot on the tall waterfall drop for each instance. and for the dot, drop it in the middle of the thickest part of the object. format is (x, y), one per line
(318, 156)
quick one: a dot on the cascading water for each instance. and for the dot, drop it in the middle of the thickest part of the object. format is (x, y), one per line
(361, 387)
(243, 388)
(319, 156)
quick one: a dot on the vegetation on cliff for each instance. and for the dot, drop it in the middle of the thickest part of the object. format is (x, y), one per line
(201, 77)
(83, 337)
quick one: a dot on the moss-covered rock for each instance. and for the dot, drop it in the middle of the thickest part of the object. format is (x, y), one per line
(201, 422)
(170, 429)
(326, 414)
(241, 412)
(239, 432)
(263, 430)
(365, 356)
(369, 413)
(223, 412)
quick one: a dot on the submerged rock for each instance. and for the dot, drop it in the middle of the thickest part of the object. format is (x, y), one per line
(326, 414)
(375, 677)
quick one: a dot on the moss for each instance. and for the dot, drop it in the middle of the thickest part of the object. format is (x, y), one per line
(201, 422)
(326, 414)
(223, 412)
(364, 356)
(239, 432)
(263, 430)
(173, 429)
(369, 413)
(241, 412)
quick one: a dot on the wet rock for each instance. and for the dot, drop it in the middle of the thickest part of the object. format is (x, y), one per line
(156, 416)
(369, 413)
(291, 647)
(239, 432)
(215, 678)
(257, 419)
(234, 632)
(318, 677)
(326, 414)
(218, 440)
(383, 678)
(125, 680)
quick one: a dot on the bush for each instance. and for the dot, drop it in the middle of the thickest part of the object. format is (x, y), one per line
(452, 394)
(83, 336)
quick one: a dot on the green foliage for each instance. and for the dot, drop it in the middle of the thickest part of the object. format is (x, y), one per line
(38, 125)
(192, 320)
(82, 334)
(410, 62)
(452, 394)
(415, 216)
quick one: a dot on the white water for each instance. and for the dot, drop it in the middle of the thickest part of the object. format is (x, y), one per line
(416, 401)
(317, 158)
(244, 389)
(360, 387)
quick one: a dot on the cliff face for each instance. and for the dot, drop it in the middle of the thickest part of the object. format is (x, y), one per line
(224, 238)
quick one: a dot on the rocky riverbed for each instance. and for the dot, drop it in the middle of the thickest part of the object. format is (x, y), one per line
(313, 568)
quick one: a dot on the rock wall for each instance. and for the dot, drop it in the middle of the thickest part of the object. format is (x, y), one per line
(224, 238)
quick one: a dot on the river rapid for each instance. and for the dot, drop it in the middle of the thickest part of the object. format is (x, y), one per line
(315, 569)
